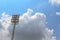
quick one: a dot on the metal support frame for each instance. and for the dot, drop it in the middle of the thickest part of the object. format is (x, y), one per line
(14, 20)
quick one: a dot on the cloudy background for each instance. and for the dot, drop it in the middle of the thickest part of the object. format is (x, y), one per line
(39, 19)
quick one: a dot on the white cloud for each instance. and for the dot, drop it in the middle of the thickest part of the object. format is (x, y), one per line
(30, 27)
(54, 1)
(57, 13)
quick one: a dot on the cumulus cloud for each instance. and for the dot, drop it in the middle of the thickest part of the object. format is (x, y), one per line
(57, 13)
(30, 27)
(54, 1)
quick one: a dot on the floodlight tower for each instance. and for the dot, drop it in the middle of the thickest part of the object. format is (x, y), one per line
(14, 21)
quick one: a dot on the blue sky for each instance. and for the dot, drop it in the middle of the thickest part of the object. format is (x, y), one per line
(44, 6)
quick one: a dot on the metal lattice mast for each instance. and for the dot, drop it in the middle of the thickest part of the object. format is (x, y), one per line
(14, 20)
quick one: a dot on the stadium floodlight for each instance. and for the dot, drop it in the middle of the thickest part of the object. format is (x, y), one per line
(14, 21)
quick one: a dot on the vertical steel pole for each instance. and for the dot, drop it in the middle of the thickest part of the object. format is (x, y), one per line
(13, 32)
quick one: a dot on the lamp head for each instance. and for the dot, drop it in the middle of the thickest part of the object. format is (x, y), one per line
(15, 19)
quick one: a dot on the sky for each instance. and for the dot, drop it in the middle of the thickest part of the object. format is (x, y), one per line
(31, 11)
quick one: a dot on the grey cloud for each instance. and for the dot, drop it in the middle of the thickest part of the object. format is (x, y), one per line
(29, 27)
